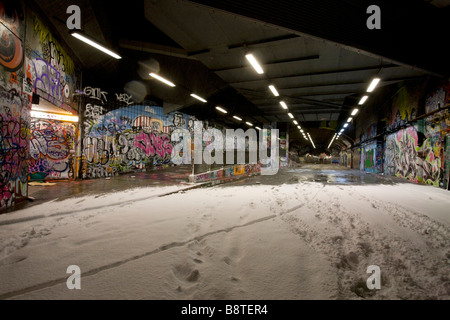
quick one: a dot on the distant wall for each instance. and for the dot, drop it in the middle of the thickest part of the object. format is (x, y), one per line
(125, 138)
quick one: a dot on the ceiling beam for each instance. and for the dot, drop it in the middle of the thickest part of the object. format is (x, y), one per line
(307, 58)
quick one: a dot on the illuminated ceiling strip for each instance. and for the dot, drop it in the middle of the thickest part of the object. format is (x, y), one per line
(332, 141)
(373, 84)
(311, 141)
(53, 116)
(254, 63)
(274, 90)
(363, 100)
(95, 45)
(198, 97)
(154, 75)
(221, 109)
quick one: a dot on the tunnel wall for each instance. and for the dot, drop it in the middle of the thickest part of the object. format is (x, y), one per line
(120, 136)
(408, 137)
(32, 63)
(14, 108)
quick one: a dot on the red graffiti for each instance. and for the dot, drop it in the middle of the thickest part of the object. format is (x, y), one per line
(154, 144)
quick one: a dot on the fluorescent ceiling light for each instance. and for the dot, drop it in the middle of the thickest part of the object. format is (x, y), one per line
(198, 98)
(299, 127)
(331, 141)
(373, 84)
(53, 116)
(258, 128)
(301, 130)
(295, 122)
(154, 75)
(346, 125)
(249, 123)
(95, 45)
(221, 110)
(349, 119)
(363, 99)
(290, 115)
(283, 104)
(254, 63)
(274, 91)
(311, 140)
(237, 118)
(342, 130)
(355, 111)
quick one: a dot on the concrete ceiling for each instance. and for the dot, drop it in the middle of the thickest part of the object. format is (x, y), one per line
(202, 49)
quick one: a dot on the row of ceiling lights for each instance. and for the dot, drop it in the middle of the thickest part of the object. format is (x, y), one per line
(274, 91)
(249, 57)
(363, 99)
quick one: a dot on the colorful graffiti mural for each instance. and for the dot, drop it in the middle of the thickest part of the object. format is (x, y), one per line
(11, 46)
(128, 138)
(411, 155)
(52, 148)
(49, 70)
(14, 128)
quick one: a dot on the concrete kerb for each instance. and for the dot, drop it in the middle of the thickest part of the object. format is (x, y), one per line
(226, 173)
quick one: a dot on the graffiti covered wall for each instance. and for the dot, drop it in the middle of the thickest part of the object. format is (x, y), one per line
(14, 130)
(14, 107)
(52, 149)
(49, 70)
(411, 155)
(129, 138)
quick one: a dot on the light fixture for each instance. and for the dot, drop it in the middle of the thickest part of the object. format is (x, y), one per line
(345, 125)
(258, 128)
(342, 130)
(355, 111)
(249, 124)
(349, 119)
(154, 75)
(221, 109)
(373, 84)
(53, 116)
(332, 141)
(299, 128)
(274, 90)
(198, 98)
(312, 142)
(94, 44)
(254, 63)
(295, 122)
(363, 99)
(283, 104)
(237, 118)
(290, 115)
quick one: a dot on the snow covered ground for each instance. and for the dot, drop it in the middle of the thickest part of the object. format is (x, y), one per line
(293, 239)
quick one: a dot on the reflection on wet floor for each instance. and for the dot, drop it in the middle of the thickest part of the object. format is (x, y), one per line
(322, 173)
(319, 173)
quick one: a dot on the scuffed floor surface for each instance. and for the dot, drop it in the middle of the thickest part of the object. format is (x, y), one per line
(306, 233)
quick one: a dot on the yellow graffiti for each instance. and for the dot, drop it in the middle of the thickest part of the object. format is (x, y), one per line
(45, 36)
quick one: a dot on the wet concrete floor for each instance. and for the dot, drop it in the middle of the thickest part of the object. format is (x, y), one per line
(320, 173)
(59, 190)
(332, 174)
